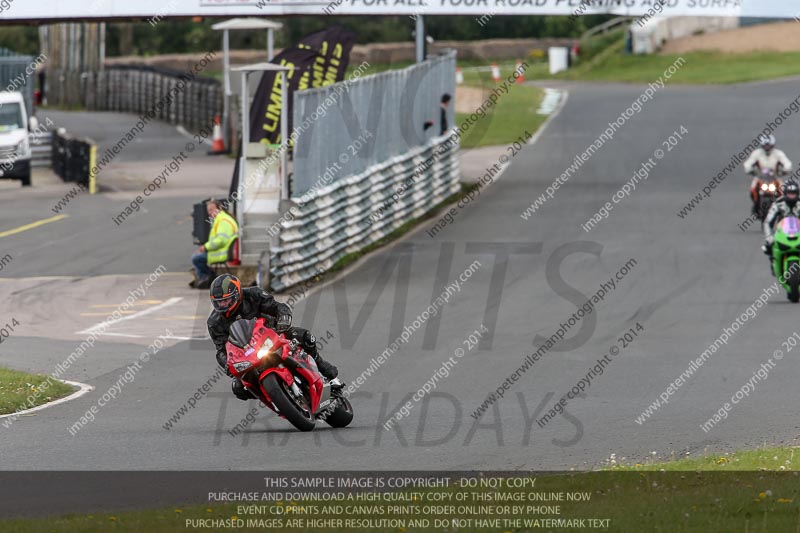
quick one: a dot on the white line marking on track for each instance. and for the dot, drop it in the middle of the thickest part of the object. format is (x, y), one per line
(553, 115)
(550, 102)
(84, 388)
(183, 131)
(153, 309)
(111, 334)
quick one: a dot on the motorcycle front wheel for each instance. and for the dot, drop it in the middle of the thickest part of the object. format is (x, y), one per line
(793, 281)
(763, 208)
(296, 412)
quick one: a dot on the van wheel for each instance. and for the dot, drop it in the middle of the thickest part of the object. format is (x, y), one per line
(26, 180)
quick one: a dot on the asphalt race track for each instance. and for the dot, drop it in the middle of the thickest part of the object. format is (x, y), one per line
(692, 277)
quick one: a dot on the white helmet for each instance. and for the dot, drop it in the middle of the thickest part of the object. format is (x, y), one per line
(767, 142)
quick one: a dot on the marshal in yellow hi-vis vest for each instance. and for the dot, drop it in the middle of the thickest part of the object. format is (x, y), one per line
(224, 231)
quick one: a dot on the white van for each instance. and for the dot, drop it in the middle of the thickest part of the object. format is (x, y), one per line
(15, 148)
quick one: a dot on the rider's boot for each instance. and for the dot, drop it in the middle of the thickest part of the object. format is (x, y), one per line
(328, 370)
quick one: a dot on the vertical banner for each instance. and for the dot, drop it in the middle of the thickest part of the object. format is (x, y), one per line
(319, 59)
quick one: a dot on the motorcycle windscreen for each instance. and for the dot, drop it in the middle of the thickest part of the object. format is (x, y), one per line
(241, 332)
(790, 226)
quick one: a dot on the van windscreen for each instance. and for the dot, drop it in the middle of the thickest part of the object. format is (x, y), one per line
(10, 117)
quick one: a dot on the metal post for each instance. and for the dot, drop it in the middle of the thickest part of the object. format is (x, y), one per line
(270, 44)
(226, 88)
(62, 75)
(420, 38)
(102, 46)
(284, 137)
(245, 141)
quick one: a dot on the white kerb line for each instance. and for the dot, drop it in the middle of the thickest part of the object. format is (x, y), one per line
(171, 301)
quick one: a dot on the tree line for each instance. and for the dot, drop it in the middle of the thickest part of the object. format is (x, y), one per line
(188, 35)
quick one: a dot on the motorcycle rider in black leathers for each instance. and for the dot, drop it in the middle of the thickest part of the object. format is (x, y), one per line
(784, 206)
(232, 303)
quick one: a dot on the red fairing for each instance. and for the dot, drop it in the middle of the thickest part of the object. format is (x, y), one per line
(307, 368)
(250, 352)
(302, 364)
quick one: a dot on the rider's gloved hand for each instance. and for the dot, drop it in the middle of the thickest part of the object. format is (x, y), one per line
(767, 246)
(284, 322)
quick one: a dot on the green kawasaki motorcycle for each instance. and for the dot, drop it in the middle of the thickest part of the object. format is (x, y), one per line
(786, 256)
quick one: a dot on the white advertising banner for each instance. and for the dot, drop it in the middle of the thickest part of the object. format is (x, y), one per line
(82, 9)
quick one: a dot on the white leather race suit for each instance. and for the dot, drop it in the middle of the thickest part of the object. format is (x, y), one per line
(766, 161)
(779, 210)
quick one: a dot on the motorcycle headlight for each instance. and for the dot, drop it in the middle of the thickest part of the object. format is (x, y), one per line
(241, 366)
(771, 187)
(764, 187)
(783, 248)
(265, 349)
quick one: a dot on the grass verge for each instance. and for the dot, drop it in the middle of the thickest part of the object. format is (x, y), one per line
(19, 390)
(762, 460)
(607, 61)
(503, 123)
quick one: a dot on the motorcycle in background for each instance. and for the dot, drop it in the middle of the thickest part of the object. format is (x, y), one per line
(786, 256)
(284, 377)
(768, 189)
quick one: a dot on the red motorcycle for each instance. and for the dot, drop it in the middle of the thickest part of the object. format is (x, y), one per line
(284, 377)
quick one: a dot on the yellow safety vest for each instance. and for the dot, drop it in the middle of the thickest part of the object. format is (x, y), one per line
(224, 231)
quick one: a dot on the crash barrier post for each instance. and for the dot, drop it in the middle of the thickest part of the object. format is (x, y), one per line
(41, 149)
(74, 159)
(350, 214)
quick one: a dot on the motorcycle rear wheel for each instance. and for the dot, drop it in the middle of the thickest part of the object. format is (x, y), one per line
(342, 415)
(297, 415)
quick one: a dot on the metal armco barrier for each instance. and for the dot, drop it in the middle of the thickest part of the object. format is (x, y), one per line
(73, 160)
(139, 89)
(42, 150)
(335, 220)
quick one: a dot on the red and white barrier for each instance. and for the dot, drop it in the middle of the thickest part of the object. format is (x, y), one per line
(520, 72)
